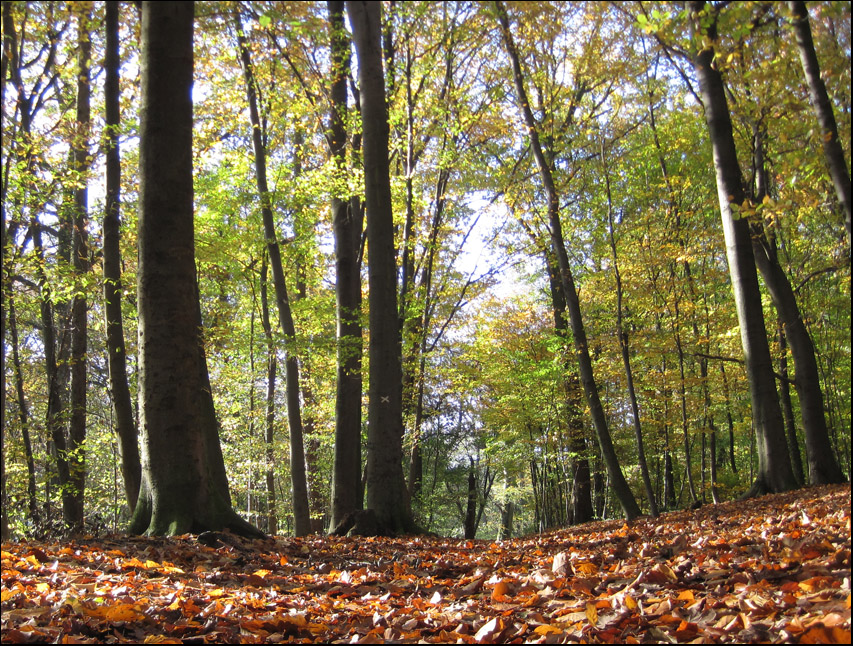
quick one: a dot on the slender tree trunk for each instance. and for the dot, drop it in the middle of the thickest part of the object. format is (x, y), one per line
(775, 473)
(299, 482)
(788, 409)
(269, 418)
(729, 419)
(617, 478)
(117, 356)
(622, 334)
(184, 486)
(386, 488)
(822, 106)
(23, 409)
(581, 503)
(347, 226)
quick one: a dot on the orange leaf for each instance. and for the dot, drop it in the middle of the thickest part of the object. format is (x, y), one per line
(686, 595)
(500, 590)
(547, 630)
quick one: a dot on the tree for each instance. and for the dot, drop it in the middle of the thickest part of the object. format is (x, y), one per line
(80, 263)
(116, 348)
(774, 471)
(347, 224)
(184, 486)
(545, 167)
(386, 487)
(822, 106)
(301, 514)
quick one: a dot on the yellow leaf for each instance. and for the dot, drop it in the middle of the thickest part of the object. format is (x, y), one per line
(216, 593)
(152, 564)
(630, 602)
(547, 630)
(592, 614)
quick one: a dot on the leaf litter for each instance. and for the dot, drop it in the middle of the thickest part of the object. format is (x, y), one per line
(772, 569)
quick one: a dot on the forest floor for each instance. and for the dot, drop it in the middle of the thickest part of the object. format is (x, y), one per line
(772, 569)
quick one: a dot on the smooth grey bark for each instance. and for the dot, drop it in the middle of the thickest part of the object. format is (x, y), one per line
(128, 438)
(386, 487)
(822, 106)
(298, 477)
(184, 486)
(617, 479)
(347, 223)
(774, 473)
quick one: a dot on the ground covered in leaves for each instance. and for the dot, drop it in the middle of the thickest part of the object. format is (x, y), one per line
(772, 569)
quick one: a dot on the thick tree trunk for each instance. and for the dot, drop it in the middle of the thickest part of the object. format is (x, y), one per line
(386, 487)
(822, 106)
(299, 481)
(823, 465)
(347, 222)
(128, 441)
(775, 473)
(617, 478)
(184, 488)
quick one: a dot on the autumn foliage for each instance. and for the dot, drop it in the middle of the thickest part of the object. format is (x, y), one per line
(775, 569)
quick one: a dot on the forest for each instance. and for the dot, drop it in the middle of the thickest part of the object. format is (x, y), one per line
(475, 270)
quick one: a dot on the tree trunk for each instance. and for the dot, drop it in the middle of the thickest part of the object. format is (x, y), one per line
(823, 466)
(822, 106)
(269, 418)
(184, 487)
(386, 488)
(23, 409)
(299, 481)
(624, 347)
(620, 485)
(788, 409)
(729, 420)
(581, 503)
(775, 473)
(80, 263)
(128, 442)
(347, 222)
